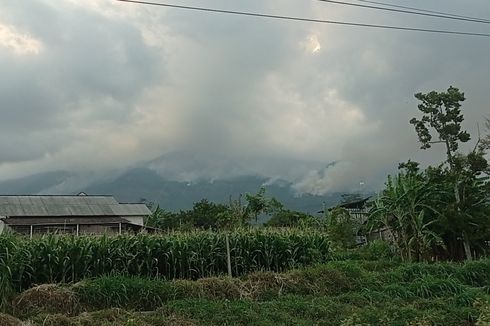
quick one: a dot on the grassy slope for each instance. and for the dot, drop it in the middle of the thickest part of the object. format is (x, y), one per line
(337, 293)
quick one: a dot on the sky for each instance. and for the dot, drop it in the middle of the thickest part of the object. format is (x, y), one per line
(101, 85)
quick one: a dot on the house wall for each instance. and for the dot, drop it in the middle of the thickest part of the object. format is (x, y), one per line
(2, 226)
(94, 229)
(138, 220)
(100, 229)
(381, 234)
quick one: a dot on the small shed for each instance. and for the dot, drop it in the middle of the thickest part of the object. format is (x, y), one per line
(358, 209)
(77, 214)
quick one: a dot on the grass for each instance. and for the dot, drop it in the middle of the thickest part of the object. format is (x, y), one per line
(335, 293)
(287, 310)
(316, 287)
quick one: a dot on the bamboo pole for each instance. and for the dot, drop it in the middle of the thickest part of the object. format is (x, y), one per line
(228, 255)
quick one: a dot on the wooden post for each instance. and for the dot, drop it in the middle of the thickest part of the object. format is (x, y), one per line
(78, 230)
(228, 255)
(32, 230)
(120, 228)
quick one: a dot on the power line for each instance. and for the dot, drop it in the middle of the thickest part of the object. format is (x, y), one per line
(404, 11)
(311, 20)
(423, 10)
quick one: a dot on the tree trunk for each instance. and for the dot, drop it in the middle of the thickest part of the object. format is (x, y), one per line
(467, 247)
(466, 241)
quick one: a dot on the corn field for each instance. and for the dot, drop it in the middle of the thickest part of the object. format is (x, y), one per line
(55, 259)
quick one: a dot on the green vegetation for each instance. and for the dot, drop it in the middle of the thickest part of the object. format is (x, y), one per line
(441, 212)
(53, 259)
(207, 215)
(379, 292)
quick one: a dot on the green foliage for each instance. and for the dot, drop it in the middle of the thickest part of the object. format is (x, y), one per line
(408, 207)
(126, 292)
(9, 257)
(426, 221)
(442, 112)
(260, 204)
(165, 220)
(205, 214)
(208, 215)
(52, 259)
(465, 209)
(287, 218)
(341, 228)
(349, 293)
(377, 250)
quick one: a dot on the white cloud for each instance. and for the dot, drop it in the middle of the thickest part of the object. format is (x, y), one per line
(311, 44)
(18, 42)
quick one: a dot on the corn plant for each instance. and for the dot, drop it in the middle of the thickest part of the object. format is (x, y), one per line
(192, 255)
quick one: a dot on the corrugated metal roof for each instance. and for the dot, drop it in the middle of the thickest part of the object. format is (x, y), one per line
(12, 206)
(63, 221)
(130, 209)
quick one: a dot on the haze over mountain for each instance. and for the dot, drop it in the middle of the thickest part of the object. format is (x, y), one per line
(175, 181)
(99, 90)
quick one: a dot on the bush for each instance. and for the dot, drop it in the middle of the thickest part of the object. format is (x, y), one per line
(475, 273)
(431, 287)
(125, 292)
(377, 249)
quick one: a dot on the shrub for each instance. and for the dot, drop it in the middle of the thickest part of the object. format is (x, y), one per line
(125, 292)
(377, 249)
(475, 273)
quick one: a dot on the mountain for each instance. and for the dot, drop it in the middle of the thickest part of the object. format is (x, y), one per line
(178, 179)
(34, 184)
(144, 184)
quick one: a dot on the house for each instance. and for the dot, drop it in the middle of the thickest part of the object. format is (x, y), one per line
(358, 209)
(77, 214)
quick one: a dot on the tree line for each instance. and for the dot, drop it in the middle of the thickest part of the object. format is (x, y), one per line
(441, 211)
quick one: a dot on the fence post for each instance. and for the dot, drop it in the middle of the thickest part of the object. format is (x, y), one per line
(228, 255)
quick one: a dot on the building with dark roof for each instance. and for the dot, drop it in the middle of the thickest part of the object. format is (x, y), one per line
(81, 214)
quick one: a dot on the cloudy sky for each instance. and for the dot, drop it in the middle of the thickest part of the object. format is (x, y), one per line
(98, 85)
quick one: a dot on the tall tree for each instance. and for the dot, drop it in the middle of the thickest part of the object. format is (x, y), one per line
(260, 204)
(442, 118)
(441, 113)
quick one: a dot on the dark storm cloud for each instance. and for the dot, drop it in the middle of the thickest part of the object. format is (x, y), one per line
(119, 83)
(89, 65)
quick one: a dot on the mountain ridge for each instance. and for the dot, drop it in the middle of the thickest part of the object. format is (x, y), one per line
(142, 184)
